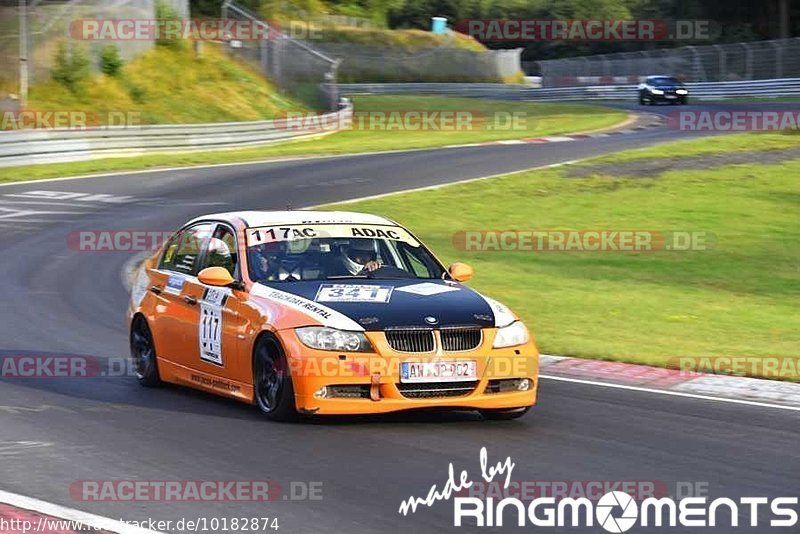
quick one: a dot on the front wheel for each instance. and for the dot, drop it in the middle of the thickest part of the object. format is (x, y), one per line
(504, 415)
(143, 353)
(272, 385)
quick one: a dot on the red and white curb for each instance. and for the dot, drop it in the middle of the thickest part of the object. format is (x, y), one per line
(20, 514)
(723, 388)
(645, 122)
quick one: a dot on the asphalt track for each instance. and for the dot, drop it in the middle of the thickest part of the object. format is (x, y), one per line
(54, 432)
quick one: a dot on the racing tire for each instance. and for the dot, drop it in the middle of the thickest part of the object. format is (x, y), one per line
(504, 415)
(272, 384)
(683, 101)
(143, 354)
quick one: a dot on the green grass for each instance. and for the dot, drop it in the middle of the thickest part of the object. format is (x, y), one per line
(540, 119)
(171, 85)
(712, 145)
(408, 40)
(741, 298)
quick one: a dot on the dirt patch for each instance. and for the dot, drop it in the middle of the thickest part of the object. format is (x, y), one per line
(653, 167)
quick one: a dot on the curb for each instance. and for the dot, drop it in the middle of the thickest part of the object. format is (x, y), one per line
(720, 387)
(643, 122)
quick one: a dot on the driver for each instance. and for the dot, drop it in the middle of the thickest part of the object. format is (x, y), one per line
(360, 256)
(264, 260)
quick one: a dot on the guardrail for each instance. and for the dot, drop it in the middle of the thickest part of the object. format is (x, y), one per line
(28, 147)
(496, 90)
(782, 87)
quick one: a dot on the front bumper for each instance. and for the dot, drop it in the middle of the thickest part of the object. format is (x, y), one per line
(312, 370)
(668, 97)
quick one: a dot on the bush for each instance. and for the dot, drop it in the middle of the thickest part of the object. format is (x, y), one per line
(71, 66)
(165, 13)
(110, 60)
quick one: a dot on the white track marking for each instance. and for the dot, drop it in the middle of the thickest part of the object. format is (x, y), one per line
(12, 213)
(458, 182)
(3, 201)
(48, 196)
(672, 393)
(14, 448)
(70, 514)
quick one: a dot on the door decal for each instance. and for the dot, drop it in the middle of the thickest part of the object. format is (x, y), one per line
(211, 324)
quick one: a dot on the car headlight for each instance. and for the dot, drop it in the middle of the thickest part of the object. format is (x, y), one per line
(324, 338)
(511, 335)
(657, 92)
(681, 91)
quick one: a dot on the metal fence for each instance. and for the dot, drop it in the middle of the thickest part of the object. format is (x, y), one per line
(783, 87)
(711, 63)
(27, 147)
(297, 68)
(34, 34)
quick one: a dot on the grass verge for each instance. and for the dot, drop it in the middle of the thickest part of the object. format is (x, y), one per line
(739, 298)
(539, 119)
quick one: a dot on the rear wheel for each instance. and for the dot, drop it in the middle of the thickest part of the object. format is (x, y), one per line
(272, 384)
(504, 415)
(143, 353)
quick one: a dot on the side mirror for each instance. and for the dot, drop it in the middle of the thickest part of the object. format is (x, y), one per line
(461, 272)
(215, 276)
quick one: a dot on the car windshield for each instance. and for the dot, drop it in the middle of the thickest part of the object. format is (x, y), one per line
(291, 253)
(665, 81)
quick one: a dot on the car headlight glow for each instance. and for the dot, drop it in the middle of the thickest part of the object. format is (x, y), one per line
(324, 338)
(681, 91)
(511, 335)
(657, 92)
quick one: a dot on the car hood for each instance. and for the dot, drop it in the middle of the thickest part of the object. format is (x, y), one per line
(378, 304)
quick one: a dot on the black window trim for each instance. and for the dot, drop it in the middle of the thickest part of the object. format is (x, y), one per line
(237, 276)
(200, 255)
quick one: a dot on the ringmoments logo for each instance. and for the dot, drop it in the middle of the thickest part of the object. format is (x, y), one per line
(615, 511)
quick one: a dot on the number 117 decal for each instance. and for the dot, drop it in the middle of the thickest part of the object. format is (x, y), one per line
(211, 325)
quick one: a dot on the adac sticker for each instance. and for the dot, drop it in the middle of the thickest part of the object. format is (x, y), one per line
(427, 289)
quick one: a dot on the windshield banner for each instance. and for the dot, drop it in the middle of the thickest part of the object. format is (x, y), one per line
(288, 232)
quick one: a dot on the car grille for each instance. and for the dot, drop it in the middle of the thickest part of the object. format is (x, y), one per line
(461, 339)
(437, 389)
(351, 391)
(410, 339)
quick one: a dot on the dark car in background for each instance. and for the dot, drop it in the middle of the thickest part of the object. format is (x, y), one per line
(656, 89)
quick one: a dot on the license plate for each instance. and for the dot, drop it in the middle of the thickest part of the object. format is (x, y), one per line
(440, 371)
(671, 96)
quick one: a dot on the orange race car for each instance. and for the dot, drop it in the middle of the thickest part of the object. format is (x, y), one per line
(315, 312)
